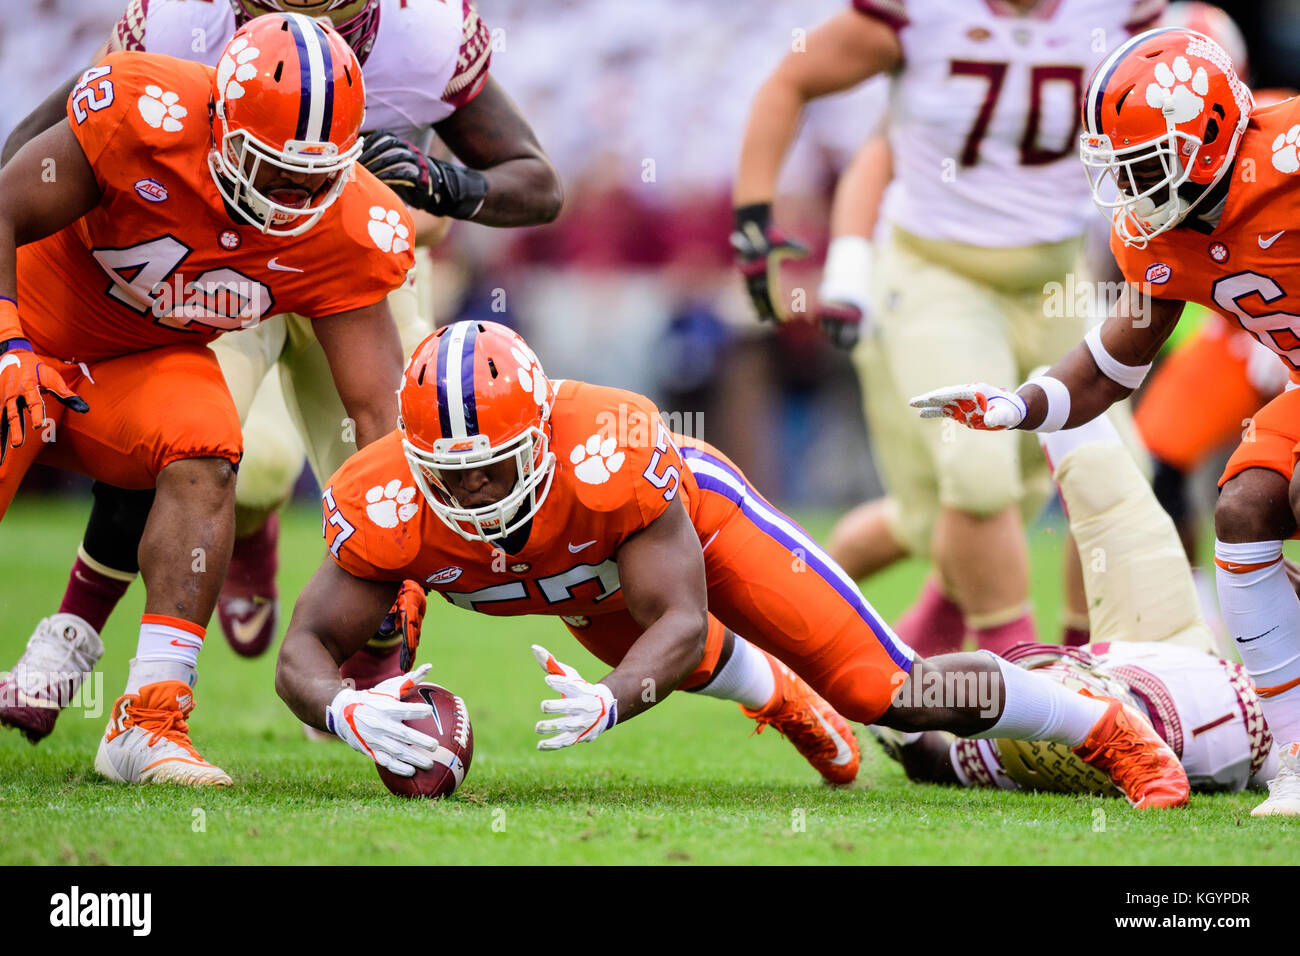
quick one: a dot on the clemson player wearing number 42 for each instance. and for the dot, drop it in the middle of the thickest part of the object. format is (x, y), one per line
(1206, 212)
(511, 494)
(179, 188)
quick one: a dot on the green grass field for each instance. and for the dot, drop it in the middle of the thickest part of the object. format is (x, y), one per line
(685, 783)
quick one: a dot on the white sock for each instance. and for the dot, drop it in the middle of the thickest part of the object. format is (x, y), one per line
(1262, 614)
(1037, 708)
(151, 672)
(168, 649)
(1056, 445)
(746, 678)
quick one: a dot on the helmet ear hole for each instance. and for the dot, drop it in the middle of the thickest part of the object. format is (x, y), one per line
(1211, 131)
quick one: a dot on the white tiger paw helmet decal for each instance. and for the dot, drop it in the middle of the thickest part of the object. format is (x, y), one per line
(236, 67)
(1170, 92)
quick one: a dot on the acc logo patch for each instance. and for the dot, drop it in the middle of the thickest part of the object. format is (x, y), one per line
(1218, 252)
(151, 189)
(1158, 273)
(444, 576)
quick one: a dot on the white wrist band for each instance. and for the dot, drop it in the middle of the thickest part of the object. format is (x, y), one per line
(846, 275)
(1058, 402)
(1130, 376)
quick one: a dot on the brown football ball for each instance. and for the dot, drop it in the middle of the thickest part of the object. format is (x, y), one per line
(450, 726)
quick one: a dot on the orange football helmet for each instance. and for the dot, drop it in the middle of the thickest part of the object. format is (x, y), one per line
(289, 104)
(473, 395)
(1164, 109)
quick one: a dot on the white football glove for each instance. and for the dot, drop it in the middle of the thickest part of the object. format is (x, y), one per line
(589, 709)
(979, 406)
(371, 722)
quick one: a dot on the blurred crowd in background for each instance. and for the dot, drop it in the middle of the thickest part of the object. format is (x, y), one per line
(641, 106)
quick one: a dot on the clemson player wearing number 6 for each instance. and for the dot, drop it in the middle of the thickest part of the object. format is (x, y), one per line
(1208, 191)
(510, 494)
(179, 188)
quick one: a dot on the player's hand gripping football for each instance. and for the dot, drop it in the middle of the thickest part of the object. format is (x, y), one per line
(588, 709)
(404, 620)
(979, 406)
(371, 722)
(23, 377)
(443, 189)
(760, 250)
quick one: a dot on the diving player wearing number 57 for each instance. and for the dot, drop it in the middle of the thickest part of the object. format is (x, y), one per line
(511, 494)
(1208, 186)
(179, 189)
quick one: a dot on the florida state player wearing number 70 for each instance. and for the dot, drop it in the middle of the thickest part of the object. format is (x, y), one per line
(1206, 211)
(179, 189)
(512, 494)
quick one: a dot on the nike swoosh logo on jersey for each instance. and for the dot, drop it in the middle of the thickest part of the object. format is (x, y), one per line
(842, 752)
(1265, 243)
(246, 631)
(272, 264)
(585, 544)
(1247, 640)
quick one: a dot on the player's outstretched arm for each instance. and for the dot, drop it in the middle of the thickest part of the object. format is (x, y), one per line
(1105, 368)
(844, 298)
(839, 54)
(662, 572)
(365, 356)
(35, 202)
(335, 615)
(506, 180)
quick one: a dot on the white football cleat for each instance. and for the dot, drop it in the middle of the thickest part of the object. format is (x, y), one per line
(60, 653)
(1284, 789)
(147, 740)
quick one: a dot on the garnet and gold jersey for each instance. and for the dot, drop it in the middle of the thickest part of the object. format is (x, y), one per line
(430, 57)
(1247, 267)
(617, 469)
(984, 114)
(160, 260)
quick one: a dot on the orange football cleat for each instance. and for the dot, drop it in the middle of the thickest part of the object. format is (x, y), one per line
(814, 727)
(1126, 747)
(148, 741)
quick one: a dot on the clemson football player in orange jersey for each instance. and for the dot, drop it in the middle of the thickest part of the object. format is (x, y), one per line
(188, 201)
(1207, 201)
(511, 494)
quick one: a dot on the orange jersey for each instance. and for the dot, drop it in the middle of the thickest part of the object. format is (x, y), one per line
(159, 261)
(1247, 267)
(617, 469)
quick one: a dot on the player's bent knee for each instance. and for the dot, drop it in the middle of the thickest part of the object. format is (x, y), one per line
(1255, 505)
(200, 479)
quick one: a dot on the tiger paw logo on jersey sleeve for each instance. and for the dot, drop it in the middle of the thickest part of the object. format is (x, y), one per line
(386, 505)
(595, 460)
(529, 373)
(1170, 90)
(161, 109)
(387, 230)
(1286, 150)
(235, 67)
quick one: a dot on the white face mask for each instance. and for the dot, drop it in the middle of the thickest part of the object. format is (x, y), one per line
(534, 467)
(1137, 214)
(236, 165)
